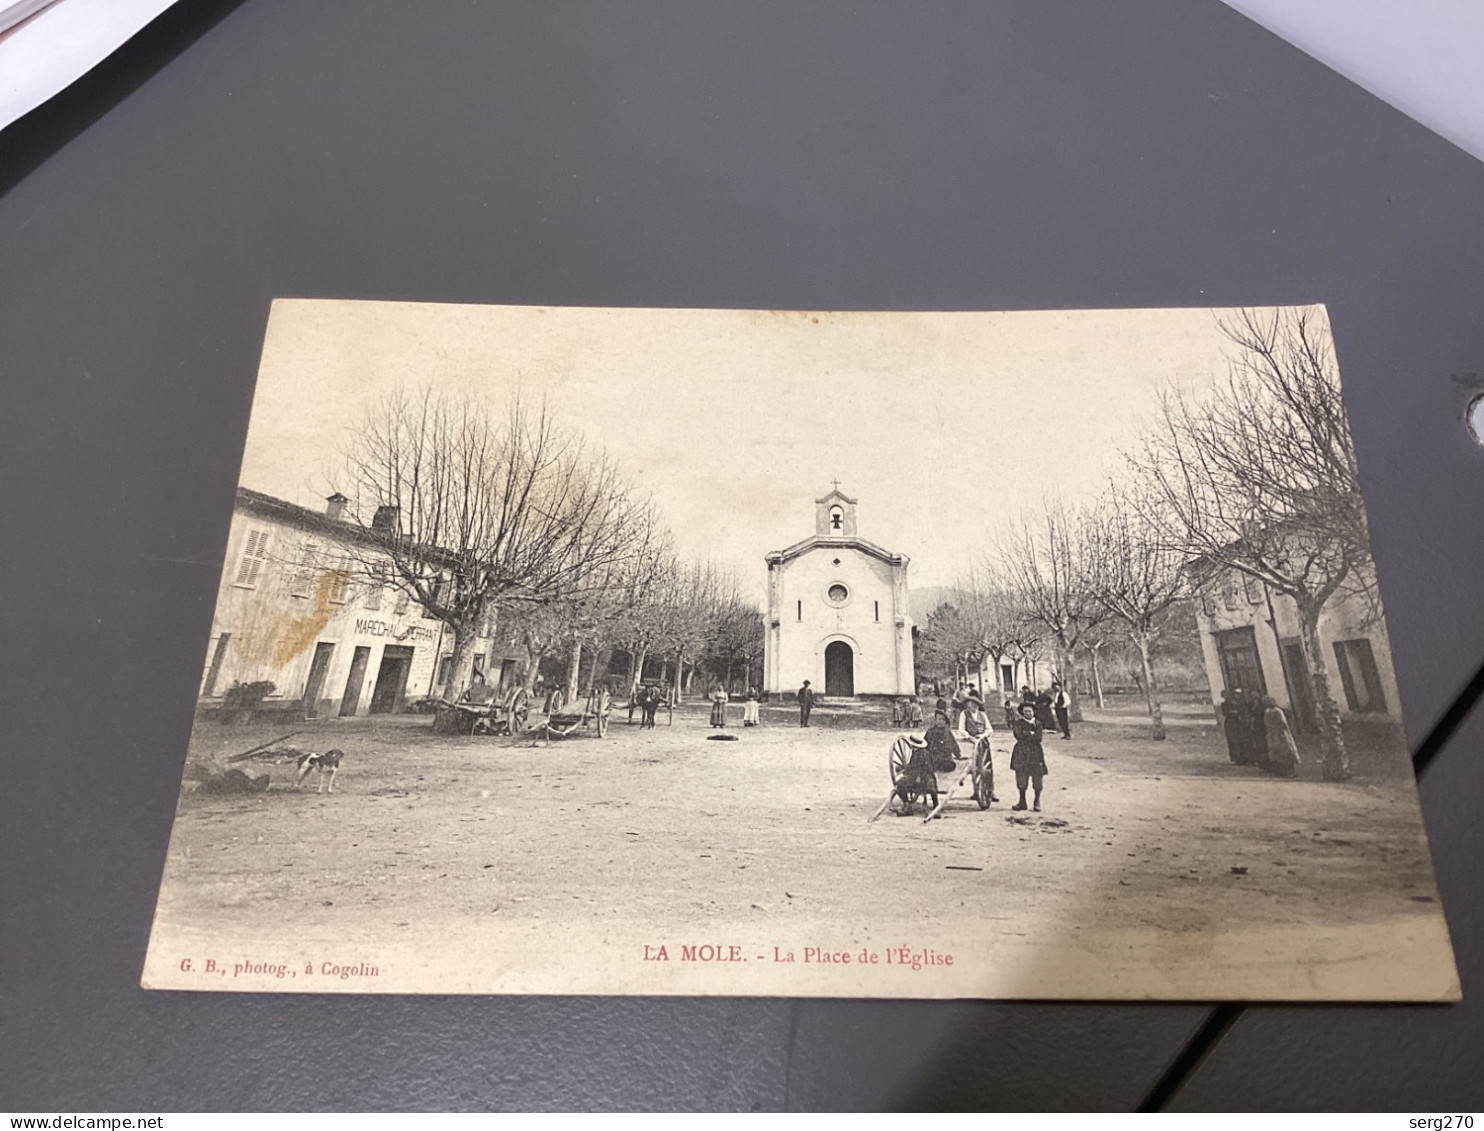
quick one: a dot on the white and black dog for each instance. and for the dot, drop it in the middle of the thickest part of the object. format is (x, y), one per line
(328, 762)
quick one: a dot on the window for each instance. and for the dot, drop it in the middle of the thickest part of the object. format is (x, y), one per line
(402, 602)
(340, 579)
(303, 580)
(838, 594)
(254, 554)
(837, 518)
(878, 609)
(1359, 675)
(1229, 592)
(376, 588)
(1208, 603)
(435, 594)
(801, 610)
(1253, 588)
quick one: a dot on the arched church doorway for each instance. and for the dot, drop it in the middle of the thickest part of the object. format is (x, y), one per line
(839, 669)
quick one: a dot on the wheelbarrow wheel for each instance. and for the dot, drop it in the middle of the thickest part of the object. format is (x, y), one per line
(897, 763)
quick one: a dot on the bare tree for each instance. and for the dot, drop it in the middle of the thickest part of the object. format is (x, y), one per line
(479, 512)
(1045, 565)
(1136, 576)
(1261, 478)
(997, 618)
(703, 594)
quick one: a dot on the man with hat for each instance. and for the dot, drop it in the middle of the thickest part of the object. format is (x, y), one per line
(806, 703)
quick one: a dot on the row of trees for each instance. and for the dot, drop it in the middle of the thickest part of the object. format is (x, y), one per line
(1257, 476)
(503, 522)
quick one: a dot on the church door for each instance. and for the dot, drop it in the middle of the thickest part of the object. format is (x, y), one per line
(839, 669)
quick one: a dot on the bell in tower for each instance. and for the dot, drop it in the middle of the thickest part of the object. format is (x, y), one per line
(834, 514)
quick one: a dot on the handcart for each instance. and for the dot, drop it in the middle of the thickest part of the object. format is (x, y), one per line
(916, 784)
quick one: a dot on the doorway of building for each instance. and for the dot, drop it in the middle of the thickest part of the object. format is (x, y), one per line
(1300, 688)
(351, 700)
(217, 657)
(316, 682)
(1240, 665)
(839, 669)
(391, 679)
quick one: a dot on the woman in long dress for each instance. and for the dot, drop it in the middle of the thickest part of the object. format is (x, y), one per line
(1283, 755)
(719, 706)
(750, 710)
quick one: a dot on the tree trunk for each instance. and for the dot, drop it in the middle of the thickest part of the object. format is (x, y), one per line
(1331, 737)
(1151, 695)
(679, 684)
(574, 664)
(1069, 684)
(1097, 679)
(465, 638)
(636, 672)
(534, 656)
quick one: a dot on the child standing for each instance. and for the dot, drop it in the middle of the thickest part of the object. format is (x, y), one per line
(1028, 760)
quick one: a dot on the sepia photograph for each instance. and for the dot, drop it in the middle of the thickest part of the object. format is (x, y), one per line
(1031, 655)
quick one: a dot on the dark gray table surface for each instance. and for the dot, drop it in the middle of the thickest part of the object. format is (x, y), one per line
(805, 154)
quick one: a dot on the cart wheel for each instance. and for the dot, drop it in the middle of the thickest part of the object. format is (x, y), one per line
(897, 763)
(983, 793)
(519, 710)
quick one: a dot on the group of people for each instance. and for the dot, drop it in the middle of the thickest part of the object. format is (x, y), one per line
(1257, 732)
(1051, 708)
(966, 710)
(719, 699)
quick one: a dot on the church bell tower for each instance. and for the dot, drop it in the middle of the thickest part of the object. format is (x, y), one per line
(834, 515)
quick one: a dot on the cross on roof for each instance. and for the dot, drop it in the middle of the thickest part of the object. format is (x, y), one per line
(836, 482)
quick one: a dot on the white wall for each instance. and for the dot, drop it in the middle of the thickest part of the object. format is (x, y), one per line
(873, 621)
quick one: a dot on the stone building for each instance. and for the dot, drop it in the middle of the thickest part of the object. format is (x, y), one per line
(303, 605)
(1250, 640)
(838, 614)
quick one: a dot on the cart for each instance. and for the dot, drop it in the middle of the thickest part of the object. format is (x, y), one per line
(933, 790)
(593, 717)
(506, 715)
(666, 704)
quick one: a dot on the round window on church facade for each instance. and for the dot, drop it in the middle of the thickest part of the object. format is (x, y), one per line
(837, 594)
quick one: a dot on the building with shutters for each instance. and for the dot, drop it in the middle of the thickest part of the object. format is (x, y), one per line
(1250, 641)
(838, 614)
(301, 606)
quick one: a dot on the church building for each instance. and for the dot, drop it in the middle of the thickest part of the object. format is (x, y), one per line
(837, 611)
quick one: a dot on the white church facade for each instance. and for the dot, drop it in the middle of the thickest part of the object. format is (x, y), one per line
(837, 612)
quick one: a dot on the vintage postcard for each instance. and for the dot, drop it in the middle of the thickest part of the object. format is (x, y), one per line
(931, 655)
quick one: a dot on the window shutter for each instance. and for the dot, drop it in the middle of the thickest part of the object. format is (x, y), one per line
(253, 554)
(1347, 678)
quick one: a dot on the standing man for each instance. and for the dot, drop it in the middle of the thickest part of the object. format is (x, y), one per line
(1061, 704)
(1233, 710)
(806, 703)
